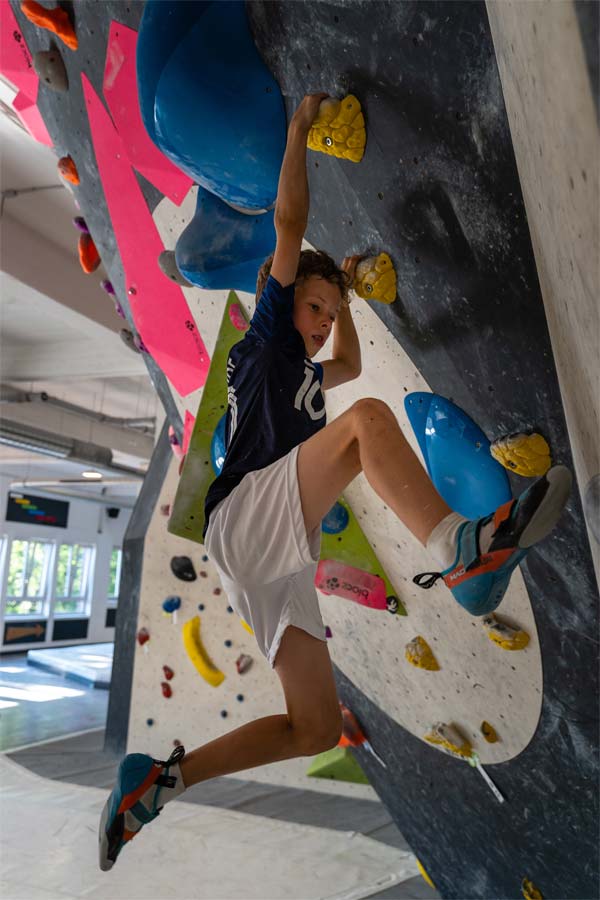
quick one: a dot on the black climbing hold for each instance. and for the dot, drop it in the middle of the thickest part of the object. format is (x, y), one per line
(168, 266)
(240, 697)
(182, 568)
(228, 643)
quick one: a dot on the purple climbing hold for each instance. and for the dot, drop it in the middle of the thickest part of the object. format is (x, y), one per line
(79, 223)
(328, 632)
(140, 344)
(119, 309)
(106, 285)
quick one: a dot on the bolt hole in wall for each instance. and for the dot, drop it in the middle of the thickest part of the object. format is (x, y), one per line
(59, 595)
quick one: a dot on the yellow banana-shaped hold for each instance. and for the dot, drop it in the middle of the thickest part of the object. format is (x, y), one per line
(246, 626)
(504, 635)
(420, 654)
(449, 739)
(375, 279)
(529, 890)
(339, 129)
(424, 874)
(198, 655)
(525, 454)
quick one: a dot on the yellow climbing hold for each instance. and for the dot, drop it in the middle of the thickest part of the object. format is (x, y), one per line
(489, 732)
(339, 129)
(525, 454)
(197, 653)
(449, 739)
(375, 279)
(424, 874)
(504, 635)
(529, 890)
(420, 654)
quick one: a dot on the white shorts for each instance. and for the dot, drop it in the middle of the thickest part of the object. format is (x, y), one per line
(257, 539)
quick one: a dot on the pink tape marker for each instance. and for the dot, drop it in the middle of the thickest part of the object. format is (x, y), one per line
(237, 317)
(160, 311)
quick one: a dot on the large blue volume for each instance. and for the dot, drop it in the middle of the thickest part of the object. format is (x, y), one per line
(457, 456)
(208, 101)
(222, 248)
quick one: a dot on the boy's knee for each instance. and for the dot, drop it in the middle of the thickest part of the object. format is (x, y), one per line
(369, 411)
(312, 741)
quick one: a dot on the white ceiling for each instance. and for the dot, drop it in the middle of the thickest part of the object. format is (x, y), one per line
(44, 345)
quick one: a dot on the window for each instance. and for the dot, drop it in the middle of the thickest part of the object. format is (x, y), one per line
(115, 573)
(73, 577)
(28, 573)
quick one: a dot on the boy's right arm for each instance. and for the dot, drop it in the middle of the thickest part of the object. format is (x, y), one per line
(291, 208)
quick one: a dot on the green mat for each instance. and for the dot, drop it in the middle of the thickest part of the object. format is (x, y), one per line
(187, 517)
(338, 764)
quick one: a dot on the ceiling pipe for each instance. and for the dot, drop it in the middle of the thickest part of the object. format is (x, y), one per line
(10, 394)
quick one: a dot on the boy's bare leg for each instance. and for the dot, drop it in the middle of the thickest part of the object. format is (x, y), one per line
(368, 438)
(312, 724)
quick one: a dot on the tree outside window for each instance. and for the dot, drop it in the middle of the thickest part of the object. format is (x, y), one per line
(73, 572)
(115, 573)
(29, 569)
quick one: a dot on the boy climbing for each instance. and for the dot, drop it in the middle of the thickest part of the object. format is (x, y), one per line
(284, 470)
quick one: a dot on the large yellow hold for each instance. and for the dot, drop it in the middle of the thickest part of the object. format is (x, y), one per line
(420, 654)
(504, 635)
(339, 129)
(525, 454)
(449, 739)
(375, 279)
(197, 653)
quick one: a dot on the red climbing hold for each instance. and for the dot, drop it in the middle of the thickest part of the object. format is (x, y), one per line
(166, 689)
(243, 663)
(168, 672)
(143, 635)
(88, 255)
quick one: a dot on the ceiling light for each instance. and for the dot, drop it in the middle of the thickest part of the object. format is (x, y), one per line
(93, 476)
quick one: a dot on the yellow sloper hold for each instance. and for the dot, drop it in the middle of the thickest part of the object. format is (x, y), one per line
(339, 129)
(489, 732)
(375, 279)
(504, 635)
(420, 654)
(525, 454)
(450, 740)
(424, 874)
(529, 890)
(198, 655)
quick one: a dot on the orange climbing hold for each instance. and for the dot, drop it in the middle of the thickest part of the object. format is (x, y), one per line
(88, 255)
(55, 20)
(68, 170)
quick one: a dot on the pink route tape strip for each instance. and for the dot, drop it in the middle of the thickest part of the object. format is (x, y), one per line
(121, 95)
(160, 311)
(188, 427)
(16, 66)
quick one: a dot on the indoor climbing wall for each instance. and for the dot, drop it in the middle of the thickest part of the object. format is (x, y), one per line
(434, 185)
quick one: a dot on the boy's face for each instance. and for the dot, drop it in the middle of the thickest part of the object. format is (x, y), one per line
(316, 304)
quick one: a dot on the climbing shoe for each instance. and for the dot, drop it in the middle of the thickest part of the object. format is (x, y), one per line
(478, 578)
(143, 786)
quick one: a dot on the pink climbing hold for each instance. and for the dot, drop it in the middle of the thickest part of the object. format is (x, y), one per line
(237, 317)
(353, 584)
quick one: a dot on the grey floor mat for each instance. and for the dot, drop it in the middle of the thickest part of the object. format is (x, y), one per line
(81, 759)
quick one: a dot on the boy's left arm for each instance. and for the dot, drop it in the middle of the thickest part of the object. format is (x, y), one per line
(346, 362)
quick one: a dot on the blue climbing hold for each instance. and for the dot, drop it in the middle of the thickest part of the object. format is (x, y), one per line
(222, 248)
(457, 456)
(336, 519)
(208, 101)
(171, 604)
(217, 446)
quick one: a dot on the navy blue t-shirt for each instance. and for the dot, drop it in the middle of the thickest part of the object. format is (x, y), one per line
(273, 393)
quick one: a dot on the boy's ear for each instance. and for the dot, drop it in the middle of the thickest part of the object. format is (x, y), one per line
(287, 254)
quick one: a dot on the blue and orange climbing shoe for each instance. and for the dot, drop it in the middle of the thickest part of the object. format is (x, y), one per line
(143, 787)
(479, 579)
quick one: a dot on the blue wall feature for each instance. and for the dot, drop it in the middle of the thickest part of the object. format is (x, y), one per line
(222, 248)
(457, 456)
(218, 444)
(209, 102)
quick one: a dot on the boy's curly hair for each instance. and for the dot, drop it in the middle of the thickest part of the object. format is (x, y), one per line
(311, 262)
